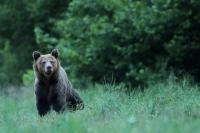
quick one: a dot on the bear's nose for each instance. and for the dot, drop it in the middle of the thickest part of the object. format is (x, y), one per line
(48, 67)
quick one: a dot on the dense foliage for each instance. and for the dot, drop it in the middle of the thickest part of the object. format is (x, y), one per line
(17, 38)
(130, 41)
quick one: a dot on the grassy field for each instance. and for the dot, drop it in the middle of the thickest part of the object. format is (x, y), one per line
(162, 108)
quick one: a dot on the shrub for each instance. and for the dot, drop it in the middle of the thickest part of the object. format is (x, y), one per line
(7, 66)
(28, 78)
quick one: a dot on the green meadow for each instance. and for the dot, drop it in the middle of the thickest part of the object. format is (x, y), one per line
(167, 107)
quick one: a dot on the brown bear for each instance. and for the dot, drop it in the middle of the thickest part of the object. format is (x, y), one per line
(52, 86)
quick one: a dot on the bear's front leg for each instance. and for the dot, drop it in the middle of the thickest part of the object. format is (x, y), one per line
(58, 104)
(42, 104)
(43, 107)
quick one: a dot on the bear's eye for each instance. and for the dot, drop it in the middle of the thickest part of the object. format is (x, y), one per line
(43, 62)
(51, 62)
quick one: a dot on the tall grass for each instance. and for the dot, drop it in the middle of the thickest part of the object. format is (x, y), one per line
(168, 107)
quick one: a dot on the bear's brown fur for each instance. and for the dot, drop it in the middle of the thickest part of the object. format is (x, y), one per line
(52, 86)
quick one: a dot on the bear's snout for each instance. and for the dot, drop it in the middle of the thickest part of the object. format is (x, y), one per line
(48, 68)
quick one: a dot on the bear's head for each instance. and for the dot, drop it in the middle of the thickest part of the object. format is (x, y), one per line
(46, 64)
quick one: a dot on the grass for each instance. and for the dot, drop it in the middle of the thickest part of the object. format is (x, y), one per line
(165, 107)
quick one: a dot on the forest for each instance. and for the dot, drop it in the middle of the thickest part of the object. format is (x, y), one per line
(134, 42)
(135, 62)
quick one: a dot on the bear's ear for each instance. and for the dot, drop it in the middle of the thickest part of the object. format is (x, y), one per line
(55, 53)
(36, 55)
